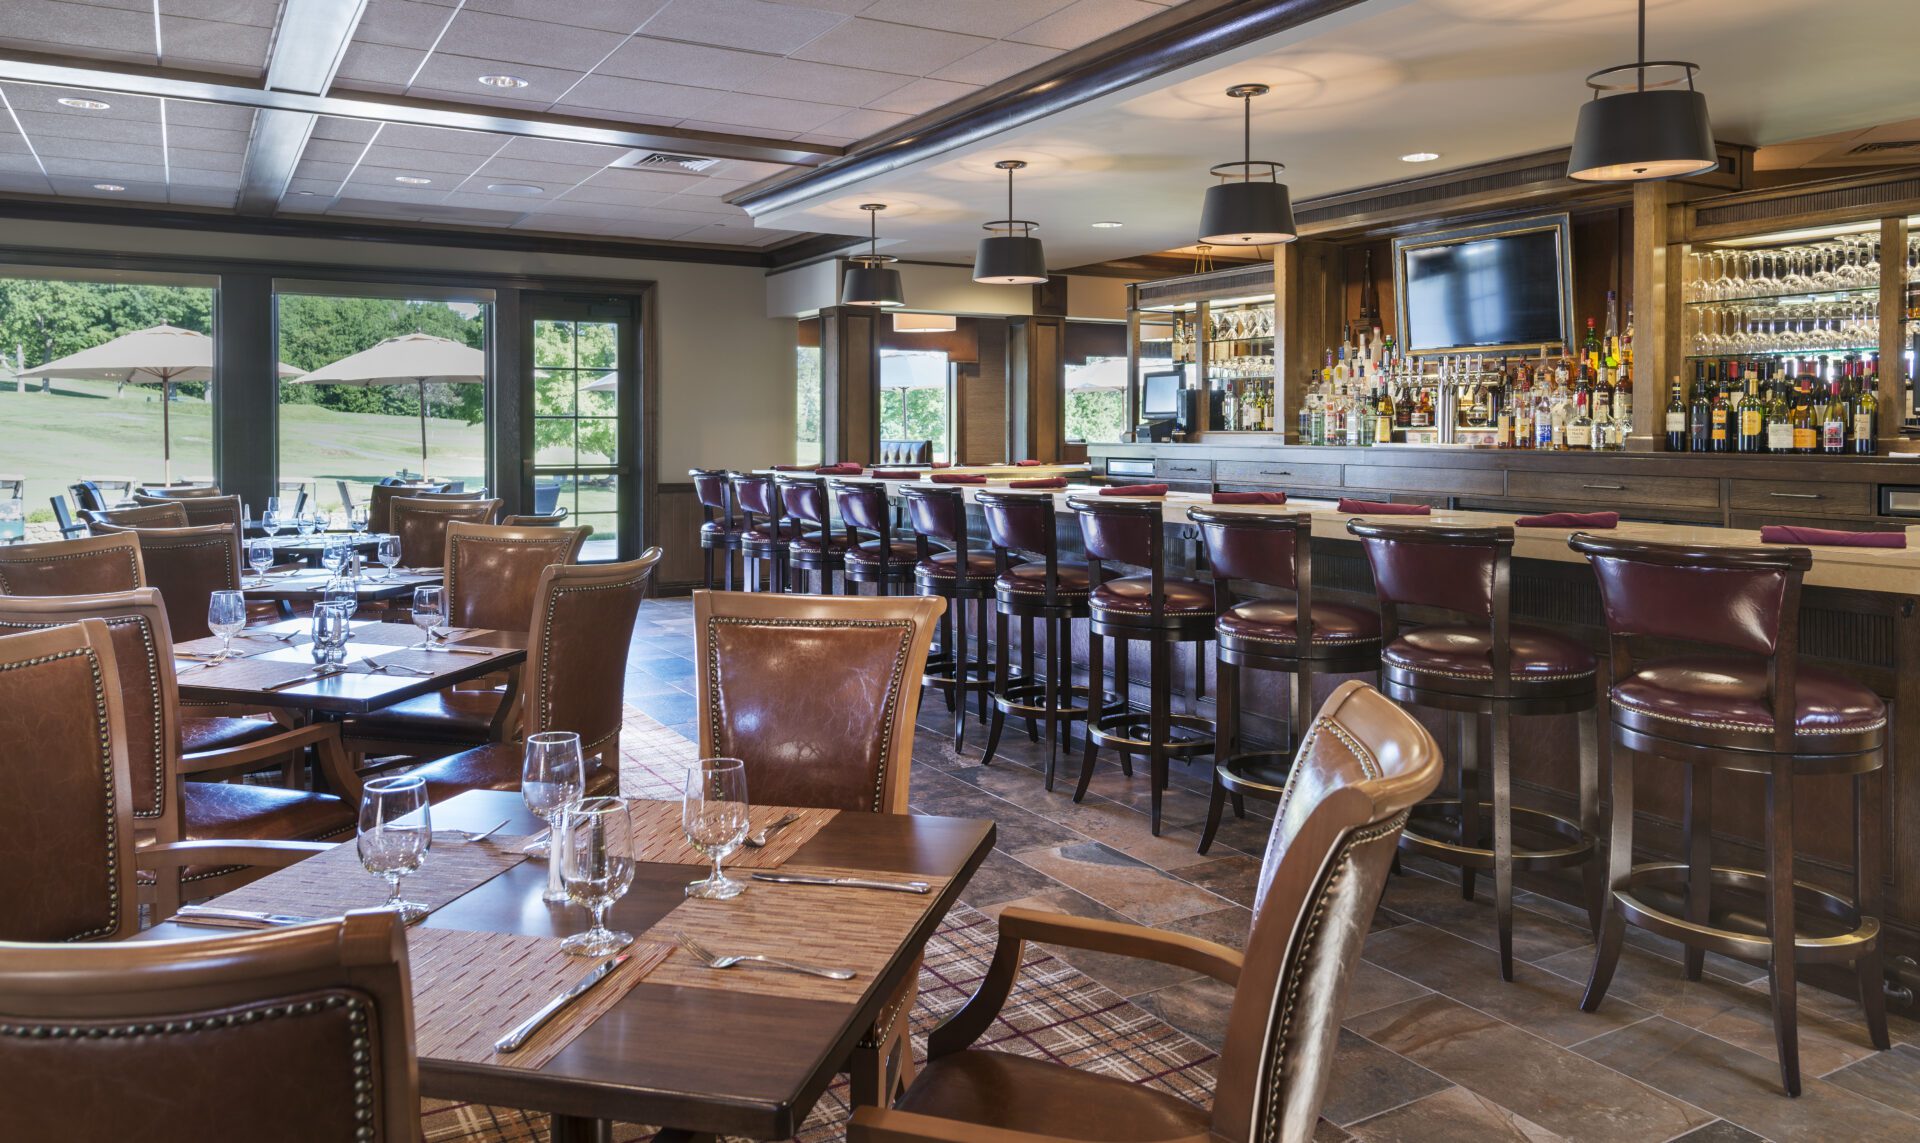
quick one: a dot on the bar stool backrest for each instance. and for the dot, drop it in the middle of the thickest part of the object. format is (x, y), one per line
(1257, 548)
(1736, 598)
(753, 491)
(864, 505)
(938, 515)
(1121, 533)
(804, 498)
(711, 489)
(1020, 522)
(1455, 569)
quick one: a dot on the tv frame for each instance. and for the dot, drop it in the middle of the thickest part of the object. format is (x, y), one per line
(1561, 225)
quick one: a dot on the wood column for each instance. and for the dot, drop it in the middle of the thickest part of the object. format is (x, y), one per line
(246, 402)
(510, 402)
(1893, 302)
(1658, 311)
(1308, 304)
(850, 379)
(1036, 356)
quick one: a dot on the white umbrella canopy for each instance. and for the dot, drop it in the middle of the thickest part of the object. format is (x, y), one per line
(410, 359)
(607, 384)
(159, 355)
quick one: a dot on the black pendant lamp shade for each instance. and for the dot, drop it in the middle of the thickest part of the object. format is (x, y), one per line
(1253, 207)
(1010, 255)
(870, 281)
(1633, 130)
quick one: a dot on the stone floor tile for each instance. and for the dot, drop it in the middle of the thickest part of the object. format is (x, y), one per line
(1119, 882)
(1452, 1115)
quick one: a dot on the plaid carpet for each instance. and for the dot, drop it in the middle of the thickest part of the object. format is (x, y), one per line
(1056, 1013)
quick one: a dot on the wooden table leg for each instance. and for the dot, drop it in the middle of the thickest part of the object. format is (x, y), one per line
(575, 1129)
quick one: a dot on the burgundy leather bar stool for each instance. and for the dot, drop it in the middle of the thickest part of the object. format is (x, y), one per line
(719, 531)
(1475, 662)
(1728, 710)
(883, 561)
(1156, 608)
(961, 576)
(764, 532)
(1301, 636)
(1034, 585)
(815, 549)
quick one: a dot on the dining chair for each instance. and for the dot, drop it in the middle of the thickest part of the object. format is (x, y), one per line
(551, 519)
(301, 1035)
(70, 567)
(87, 495)
(63, 518)
(493, 571)
(421, 524)
(201, 510)
(574, 679)
(176, 491)
(843, 740)
(168, 514)
(381, 496)
(188, 565)
(1362, 764)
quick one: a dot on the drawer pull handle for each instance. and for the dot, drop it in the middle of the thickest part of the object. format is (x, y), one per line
(1276, 472)
(1606, 487)
(1797, 495)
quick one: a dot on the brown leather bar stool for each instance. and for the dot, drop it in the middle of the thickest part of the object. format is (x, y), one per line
(814, 549)
(883, 561)
(719, 531)
(1724, 711)
(764, 532)
(1299, 636)
(961, 576)
(1159, 609)
(1034, 585)
(1488, 669)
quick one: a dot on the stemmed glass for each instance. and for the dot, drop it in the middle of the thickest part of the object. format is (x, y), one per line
(596, 863)
(226, 617)
(360, 517)
(388, 552)
(429, 615)
(552, 780)
(343, 597)
(270, 520)
(396, 830)
(333, 556)
(260, 556)
(305, 522)
(714, 815)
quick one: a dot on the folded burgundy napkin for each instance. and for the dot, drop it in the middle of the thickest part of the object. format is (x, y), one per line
(1827, 537)
(847, 469)
(1382, 508)
(941, 464)
(1049, 482)
(1135, 490)
(1029, 463)
(1570, 520)
(1249, 498)
(896, 474)
(957, 478)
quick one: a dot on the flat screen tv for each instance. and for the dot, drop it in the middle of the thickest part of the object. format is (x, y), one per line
(1505, 286)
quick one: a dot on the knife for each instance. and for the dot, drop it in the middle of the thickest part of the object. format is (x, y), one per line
(844, 882)
(515, 1040)
(315, 676)
(219, 917)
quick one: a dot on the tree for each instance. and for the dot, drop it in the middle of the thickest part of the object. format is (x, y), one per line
(45, 318)
(317, 329)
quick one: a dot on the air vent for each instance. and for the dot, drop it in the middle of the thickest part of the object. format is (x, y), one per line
(645, 159)
(1882, 148)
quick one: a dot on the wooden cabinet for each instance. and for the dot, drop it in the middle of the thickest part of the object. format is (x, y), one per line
(1802, 497)
(1284, 474)
(1616, 488)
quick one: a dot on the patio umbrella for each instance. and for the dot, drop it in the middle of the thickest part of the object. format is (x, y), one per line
(160, 355)
(410, 359)
(606, 384)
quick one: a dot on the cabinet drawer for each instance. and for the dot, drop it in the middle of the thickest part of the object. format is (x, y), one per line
(1440, 482)
(1805, 497)
(1611, 488)
(1278, 472)
(1165, 469)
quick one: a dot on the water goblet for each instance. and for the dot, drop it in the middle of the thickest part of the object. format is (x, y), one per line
(360, 517)
(343, 596)
(552, 781)
(396, 830)
(388, 552)
(429, 614)
(596, 864)
(714, 816)
(333, 556)
(270, 521)
(226, 617)
(259, 556)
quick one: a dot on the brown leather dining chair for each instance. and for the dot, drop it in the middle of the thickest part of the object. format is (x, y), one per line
(302, 1035)
(188, 565)
(72, 567)
(574, 679)
(551, 519)
(381, 496)
(1362, 764)
(177, 491)
(844, 741)
(493, 571)
(166, 514)
(201, 510)
(421, 525)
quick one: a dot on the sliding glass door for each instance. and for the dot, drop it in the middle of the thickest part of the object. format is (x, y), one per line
(586, 406)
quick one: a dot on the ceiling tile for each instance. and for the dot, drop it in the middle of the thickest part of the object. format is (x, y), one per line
(860, 124)
(349, 130)
(378, 64)
(640, 100)
(915, 51)
(459, 76)
(27, 97)
(259, 13)
(695, 65)
(1083, 22)
(751, 24)
(214, 45)
(140, 188)
(99, 150)
(996, 62)
(562, 151)
(509, 41)
(749, 111)
(730, 129)
(201, 196)
(715, 187)
(19, 161)
(519, 169)
(922, 95)
(185, 113)
(607, 15)
(844, 7)
(331, 173)
(40, 125)
(476, 195)
(472, 216)
(334, 151)
(94, 30)
(203, 138)
(995, 18)
(429, 163)
(610, 185)
(824, 83)
(194, 177)
(188, 157)
(103, 170)
(702, 204)
(407, 136)
(402, 23)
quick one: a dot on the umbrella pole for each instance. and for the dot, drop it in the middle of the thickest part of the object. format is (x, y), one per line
(166, 430)
(423, 427)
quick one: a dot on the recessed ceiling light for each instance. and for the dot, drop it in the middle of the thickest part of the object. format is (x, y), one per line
(411, 180)
(503, 81)
(83, 104)
(1108, 225)
(516, 188)
(108, 187)
(1419, 157)
(303, 193)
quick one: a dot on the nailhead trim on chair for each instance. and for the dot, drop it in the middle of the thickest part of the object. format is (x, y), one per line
(1315, 641)
(1751, 727)
(546, 653)
(1489, 674)
(133, 561)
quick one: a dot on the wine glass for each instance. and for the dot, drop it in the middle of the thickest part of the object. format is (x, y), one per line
(260, 556)
(714, 815)
(342, 596)
(333, 556)
(429, 614)
(226, 617)
(552, 780)
(388, 552)
(360, 517)
(329, 635)
(596, 864)
(270, 520)
(396, 830)
(304, 522)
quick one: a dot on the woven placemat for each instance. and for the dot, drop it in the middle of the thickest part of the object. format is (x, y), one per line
(470, 988)
(329, 884)
(258, 665)
(858, 929)
(658, 834)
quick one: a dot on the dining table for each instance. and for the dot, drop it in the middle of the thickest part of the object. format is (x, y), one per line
(667, 1040)
(305, 585)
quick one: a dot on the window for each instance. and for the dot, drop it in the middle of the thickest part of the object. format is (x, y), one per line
(1096, 399)
(809, 394)
(379, 386)
(916, 398)
(581, 462)
(117, 414)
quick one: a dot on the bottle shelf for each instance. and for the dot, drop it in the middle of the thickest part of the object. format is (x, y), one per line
(1796, 297)
(1808, 351)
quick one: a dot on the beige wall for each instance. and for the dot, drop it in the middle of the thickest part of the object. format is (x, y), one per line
(726, 369)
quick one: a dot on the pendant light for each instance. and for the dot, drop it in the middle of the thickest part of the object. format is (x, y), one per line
(1632, 131)
(870, 281)
(1252, 208)
(1010, 255)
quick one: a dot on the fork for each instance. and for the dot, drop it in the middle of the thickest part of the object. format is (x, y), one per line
(759, 840)
(701, 953)
(376, 665)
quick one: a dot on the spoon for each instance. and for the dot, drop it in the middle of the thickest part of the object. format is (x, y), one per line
(759, 840)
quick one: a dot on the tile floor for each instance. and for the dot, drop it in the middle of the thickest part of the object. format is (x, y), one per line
(1434, 1047)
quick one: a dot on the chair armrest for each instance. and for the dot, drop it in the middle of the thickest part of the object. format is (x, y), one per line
(877, 1125)
(324, 736)
(167, 855)
(1018, 926)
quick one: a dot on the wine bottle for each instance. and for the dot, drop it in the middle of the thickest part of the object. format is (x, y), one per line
(1806, 434)
(1700, 413)
(1779, 414)
(1676, 420)
(1866, 411)
(1752, 420)
(1833, 420)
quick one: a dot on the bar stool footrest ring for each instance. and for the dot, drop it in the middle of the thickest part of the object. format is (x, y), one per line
(1131, 731)
(1581, 846)
(1839, 948)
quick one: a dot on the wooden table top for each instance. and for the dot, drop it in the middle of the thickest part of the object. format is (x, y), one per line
(701, 1059)
(306, 586)
(358, 691)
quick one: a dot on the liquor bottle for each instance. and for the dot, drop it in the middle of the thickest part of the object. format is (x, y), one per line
(1720, 439)
(1423, 409)
(1503, 419)
(1610, 343)
(1866, 411)
(1383, 418)
(1623, 385)
(1591, 348)
(1523, 412)
(1403, 408)
(1833, 420)
(1751, 419)
(1779, 414)
(1543, 412)
(1676, 420)
(1700, 413)
(1580, 423)
(1806, 434)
